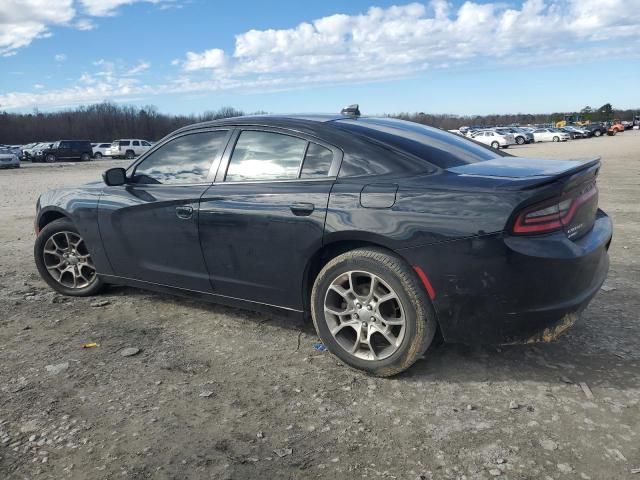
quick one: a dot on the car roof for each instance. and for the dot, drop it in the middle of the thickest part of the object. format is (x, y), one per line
(308, 122)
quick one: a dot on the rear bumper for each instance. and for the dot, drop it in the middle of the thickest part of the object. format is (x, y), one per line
(500, 289)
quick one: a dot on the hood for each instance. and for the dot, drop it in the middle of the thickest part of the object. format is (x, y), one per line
(522, 167)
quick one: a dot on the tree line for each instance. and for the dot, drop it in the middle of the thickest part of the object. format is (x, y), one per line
(104, 122)
(448, 122)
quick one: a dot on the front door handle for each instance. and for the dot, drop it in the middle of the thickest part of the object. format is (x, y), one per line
(302, 208)
(185, 212)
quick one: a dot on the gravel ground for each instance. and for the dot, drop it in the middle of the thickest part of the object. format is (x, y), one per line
(215, 392)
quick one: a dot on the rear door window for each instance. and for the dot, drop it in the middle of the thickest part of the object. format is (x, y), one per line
(136, 143)
(317, 161)
(124, 143)
(265, 156)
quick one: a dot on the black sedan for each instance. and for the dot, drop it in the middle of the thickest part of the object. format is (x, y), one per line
(384, 231)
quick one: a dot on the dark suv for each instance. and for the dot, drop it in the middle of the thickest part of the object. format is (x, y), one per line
(67, 150)
(596, 129)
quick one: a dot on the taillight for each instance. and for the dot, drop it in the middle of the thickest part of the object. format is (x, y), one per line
(553, 214)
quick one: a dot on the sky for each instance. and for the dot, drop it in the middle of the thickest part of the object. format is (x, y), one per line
(437, 56)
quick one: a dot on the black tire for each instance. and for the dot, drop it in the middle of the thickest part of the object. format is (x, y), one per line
(611, 133)
(85, 157)
(50, 158)
(597, 133)
(129, 155)
(97, 155)
(61, 225)
(556, 139)
(420, 320)
(520, 140)
(495, 145)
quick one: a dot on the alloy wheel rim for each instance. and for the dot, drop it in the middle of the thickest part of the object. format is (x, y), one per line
(365, 315)
(68, 261)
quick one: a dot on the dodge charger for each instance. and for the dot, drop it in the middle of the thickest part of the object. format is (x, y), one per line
(384, 232)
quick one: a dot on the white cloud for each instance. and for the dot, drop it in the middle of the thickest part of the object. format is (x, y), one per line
(84, 24)
(378, 45)
(60, 57)
(139, 68)
(414, 36)
(104, 8)
(213, 59)
(22, 21)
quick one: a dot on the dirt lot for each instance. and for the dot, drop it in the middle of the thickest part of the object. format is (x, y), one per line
(223, 393)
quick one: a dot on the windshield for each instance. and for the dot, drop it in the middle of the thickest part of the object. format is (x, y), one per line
(438, 147)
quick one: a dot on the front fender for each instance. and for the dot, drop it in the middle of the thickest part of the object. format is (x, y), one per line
(80, 205)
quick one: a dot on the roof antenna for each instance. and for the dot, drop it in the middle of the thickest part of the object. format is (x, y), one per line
(351, 111)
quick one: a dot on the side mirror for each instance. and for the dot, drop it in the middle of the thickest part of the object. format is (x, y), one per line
(115, 177)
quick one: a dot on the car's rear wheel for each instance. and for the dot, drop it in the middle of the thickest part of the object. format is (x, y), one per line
(97, 155)
(85, 157)
(63, 260)
(597, 133)
(495, 145)
(371, 311)
(129, 155)
(50, 158)
(556, 139)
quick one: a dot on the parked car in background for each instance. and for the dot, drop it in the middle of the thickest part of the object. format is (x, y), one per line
(383, 231)
(17, 150)
(521, 136)
(494, 139)
(66, 150)
(28, 150)
(550, 135)
(8, 159)
(596, 129)
(574, 132)
(129, 148)
(101, 150)
(38, 149)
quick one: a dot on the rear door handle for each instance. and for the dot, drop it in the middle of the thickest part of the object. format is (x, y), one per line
(185, 212)
(302, 208)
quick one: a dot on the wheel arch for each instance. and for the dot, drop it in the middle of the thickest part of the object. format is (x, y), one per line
(50, 215)
(329, 251)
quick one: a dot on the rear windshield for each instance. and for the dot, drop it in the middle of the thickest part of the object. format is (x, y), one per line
(438, 147)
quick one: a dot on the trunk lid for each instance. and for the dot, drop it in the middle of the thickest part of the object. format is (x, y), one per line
(578, 199)
(524, 168)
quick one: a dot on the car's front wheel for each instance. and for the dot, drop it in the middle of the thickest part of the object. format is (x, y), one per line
(495, 145)
(556, 139)
(50, 158)
(371, 311)
(63, 260)
(520, 140)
